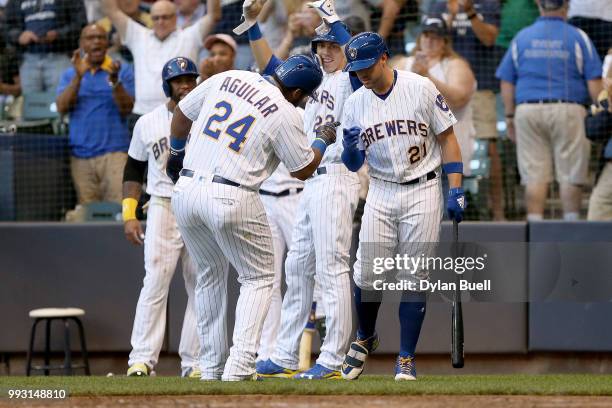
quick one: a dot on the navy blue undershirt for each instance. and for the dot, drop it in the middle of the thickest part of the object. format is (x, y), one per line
(386, 94)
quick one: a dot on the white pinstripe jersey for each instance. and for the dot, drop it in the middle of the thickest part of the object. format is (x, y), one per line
(281, 180)
(326, 107)
(150, 143)
(398, 133)
(243, 128)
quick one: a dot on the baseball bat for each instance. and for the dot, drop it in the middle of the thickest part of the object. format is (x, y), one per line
(306, 340)
(457, 313)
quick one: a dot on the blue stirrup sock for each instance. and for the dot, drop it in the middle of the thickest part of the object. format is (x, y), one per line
(411, 314)
(367, 303)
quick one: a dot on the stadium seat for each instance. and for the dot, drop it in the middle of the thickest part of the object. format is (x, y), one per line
(103, 211)
(65, 315)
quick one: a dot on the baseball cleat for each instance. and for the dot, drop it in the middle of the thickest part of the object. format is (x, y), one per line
(138, 370)
(193, 372)
(405, 369)
(318, 372)
(269, 369)
(325, 9)
(354, 361)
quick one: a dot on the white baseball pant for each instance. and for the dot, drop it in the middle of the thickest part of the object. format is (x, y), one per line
(163, 247)
(320, 245)
(223, 224)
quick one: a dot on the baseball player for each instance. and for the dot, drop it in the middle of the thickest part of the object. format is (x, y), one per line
(321, 238)
(244, 127)
(163, 245)
(401, 123)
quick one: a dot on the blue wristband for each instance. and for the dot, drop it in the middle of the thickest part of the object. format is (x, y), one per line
(177, 144)
(453, 167)
(319, 144)
(254, 33)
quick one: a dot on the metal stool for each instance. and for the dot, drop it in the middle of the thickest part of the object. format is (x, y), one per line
(66, 315)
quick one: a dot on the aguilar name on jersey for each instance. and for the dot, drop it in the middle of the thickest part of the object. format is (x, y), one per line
(398, 130)
(243, 127)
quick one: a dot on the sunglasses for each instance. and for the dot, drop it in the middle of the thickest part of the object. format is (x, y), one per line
(163, 17)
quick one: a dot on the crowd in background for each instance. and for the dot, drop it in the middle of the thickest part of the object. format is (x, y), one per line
(102, 60)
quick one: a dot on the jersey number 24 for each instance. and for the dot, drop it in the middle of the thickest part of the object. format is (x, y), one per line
(237, 130)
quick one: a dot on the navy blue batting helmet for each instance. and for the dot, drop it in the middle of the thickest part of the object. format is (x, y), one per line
(299, 71)
(364, 50)
(326, 37)
(174, 68)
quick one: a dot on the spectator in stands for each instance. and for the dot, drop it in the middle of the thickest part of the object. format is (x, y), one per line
(594, 17)
(221, 55)
(547, 74)
(389, 10)
(98, 94)
(599, 129)
(9, 64)
(152, 48)
(301, 30)
(132, 9)
(515, 15)
(189, 11)
(474, 26)
(274, 19)
(9, 73)
(231, 10)
(434, 58)
(47, 32)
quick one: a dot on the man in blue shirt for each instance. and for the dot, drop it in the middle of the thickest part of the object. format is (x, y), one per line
(474, 25)
(549, 73)
(98, 94)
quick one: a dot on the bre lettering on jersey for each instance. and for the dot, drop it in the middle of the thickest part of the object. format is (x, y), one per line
(160, 147)
(398, 127)
(248, 92)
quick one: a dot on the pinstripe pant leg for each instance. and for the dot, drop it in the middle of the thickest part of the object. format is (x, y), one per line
(162, 248)
(242, 231)
(332, 226)
(299, 274)
(189, 347)
(189, 202)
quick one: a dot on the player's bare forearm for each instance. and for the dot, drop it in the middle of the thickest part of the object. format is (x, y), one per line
(307, 171)
(132, 189)
(180, 126)
(451, 152)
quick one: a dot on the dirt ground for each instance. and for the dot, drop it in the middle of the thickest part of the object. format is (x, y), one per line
(277, 401)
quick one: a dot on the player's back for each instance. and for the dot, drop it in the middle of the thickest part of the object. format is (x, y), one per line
(239, 116)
